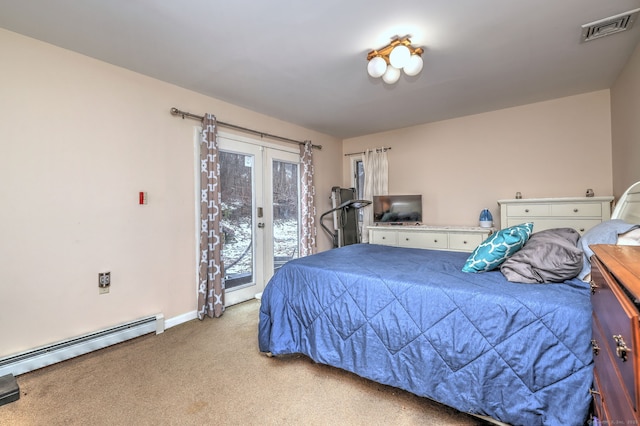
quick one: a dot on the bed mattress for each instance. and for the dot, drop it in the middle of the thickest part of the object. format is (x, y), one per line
(409, 318)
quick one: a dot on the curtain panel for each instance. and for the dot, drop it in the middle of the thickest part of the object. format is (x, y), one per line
(307, 204)
(376, 182)
(210, 271)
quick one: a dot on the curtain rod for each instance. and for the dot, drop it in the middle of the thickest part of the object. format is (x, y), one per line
(183, 114)
(364, 152)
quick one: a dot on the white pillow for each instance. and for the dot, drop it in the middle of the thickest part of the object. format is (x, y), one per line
(630, 238)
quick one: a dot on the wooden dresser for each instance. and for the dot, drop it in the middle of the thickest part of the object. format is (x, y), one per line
(579, 213)
(615, 284)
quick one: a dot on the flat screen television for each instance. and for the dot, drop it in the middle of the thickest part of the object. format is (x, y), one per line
(397, 209)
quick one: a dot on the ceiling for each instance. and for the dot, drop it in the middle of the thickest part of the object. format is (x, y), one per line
(304, 61)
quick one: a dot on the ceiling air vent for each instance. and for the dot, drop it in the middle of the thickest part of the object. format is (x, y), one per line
(610, 25)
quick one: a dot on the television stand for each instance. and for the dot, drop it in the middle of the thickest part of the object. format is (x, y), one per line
(454, 238)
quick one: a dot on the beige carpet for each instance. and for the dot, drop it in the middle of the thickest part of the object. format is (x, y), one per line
(211, 372)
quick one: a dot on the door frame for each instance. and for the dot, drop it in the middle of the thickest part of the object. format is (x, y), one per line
(268, 231)
(270, 156)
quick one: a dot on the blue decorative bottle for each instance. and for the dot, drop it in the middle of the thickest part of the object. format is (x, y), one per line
(486, 220)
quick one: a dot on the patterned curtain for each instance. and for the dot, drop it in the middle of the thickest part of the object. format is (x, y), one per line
(308, 207)
(376, 182)
(211, 271)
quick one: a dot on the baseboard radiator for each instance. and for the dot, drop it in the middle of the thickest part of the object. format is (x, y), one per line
(67, 349)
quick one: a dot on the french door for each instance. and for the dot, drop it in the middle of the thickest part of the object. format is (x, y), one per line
(260, 226)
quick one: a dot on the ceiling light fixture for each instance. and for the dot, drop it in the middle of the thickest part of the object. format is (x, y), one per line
(395, 56)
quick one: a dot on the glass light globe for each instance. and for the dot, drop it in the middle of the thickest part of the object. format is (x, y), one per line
(399, 56)
(376, 67)
(392, 75)
(414, 66)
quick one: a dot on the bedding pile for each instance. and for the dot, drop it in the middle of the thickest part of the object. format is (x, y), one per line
(608, 232)
(410, 318)
(549, 256)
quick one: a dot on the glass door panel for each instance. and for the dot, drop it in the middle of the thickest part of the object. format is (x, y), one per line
(260, 218)
(286, 212)
(236, 194)
(241, 192)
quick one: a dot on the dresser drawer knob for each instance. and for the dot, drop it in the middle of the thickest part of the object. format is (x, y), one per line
(435, 241)
(595, 347)
(621, 347)
(407, 239)
(575, 210)
(526, 210)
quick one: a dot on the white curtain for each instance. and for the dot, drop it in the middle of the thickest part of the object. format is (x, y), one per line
(376, 182)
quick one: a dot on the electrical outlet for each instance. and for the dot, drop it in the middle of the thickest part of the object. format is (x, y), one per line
(104, 282)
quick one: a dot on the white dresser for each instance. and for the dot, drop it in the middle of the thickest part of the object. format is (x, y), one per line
(579, 213)
(454, 238)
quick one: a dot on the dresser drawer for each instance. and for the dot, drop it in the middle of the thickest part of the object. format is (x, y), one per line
(579, 213)
(598, 404)
(388, 238)
(464, 242)
(525, 210)
(612, 402)
(616, 320)
(429, 240)
(577, 209)
(580, 225)
(456, 238)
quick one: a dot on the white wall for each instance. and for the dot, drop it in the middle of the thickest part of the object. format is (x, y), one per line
(557, 148)
(79, 139)
(625, 113)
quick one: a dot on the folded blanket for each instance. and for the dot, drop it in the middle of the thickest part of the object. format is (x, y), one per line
(604, 233)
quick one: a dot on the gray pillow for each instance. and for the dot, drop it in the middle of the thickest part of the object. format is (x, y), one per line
(550, 256)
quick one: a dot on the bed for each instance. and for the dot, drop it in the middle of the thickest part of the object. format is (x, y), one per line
(518, 353)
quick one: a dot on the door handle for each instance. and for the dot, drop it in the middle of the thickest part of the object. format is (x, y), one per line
(621, 347)
(260, 225)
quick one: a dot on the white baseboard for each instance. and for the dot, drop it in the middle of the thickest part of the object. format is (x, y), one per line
(41, 357)
(177, 320)
(51, 354)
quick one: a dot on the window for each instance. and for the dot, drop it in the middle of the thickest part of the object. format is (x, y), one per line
(359, 178)
(357, 167)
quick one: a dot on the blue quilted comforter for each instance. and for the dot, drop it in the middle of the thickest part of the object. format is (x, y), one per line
(409, 318)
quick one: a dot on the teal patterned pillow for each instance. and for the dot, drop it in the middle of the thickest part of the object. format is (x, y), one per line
(497, 248)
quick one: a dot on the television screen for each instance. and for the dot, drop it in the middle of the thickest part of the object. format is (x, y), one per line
(397, 208)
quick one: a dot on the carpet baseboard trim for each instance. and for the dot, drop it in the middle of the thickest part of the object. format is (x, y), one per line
(61, 351)
(47, 355)
(179, 319)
